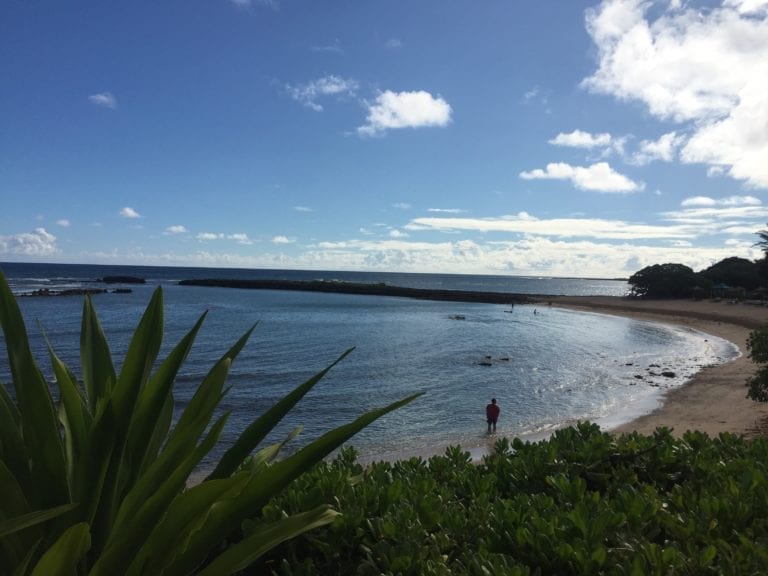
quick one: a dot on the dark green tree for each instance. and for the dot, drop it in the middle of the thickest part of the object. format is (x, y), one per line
(667, 281)
(736, 272)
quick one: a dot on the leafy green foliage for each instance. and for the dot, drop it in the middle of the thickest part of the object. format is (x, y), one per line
(98, 484)
(667, 281)
(757, 345)
(582, 502)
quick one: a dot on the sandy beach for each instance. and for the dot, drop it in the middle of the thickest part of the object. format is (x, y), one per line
(714, 400)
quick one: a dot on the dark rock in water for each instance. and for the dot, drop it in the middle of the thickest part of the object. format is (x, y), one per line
(122, 291)
(668, 374)
(485, 363)
(70, 292)
(123, 280)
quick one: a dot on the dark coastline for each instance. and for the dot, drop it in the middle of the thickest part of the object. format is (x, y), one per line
(365, 289)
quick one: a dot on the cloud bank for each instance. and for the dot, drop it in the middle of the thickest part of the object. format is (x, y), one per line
(704, 69)
(37, 243)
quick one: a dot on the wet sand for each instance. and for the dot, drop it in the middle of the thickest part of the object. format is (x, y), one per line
(714, 400)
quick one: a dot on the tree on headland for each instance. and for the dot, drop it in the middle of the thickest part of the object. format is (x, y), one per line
(735, 272)
(667, 281)
(763, 245)
(763, 242)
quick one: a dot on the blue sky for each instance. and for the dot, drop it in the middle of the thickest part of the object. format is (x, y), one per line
(565, 138)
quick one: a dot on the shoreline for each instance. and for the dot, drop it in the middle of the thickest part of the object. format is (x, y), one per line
(714, 399)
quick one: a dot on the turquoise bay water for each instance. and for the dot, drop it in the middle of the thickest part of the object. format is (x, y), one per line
(546, 369)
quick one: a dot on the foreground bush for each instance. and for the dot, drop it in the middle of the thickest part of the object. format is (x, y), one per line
(101, 489)
(583, 502)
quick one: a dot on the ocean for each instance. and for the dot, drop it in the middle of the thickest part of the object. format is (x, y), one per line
(547, 367)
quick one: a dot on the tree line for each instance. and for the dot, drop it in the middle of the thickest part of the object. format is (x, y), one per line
(732, 277)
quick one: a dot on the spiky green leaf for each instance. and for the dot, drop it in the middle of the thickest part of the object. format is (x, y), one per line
(239, 556)
(62, 558)
(260, 428)
(40, 426)
(18, 523)
(96, 366)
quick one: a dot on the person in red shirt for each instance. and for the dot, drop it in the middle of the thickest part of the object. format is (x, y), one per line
(492, 412)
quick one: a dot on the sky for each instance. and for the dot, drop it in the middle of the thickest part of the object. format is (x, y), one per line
(546, 138)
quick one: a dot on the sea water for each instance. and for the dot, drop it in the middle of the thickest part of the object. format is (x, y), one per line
(546, 366)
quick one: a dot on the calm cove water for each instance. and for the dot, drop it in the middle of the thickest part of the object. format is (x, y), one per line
(547, 367)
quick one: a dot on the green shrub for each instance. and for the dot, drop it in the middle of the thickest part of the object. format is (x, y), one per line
(97, 485)
(757, 346)
(582, 502)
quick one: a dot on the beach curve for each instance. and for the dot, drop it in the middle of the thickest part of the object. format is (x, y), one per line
(714, 400)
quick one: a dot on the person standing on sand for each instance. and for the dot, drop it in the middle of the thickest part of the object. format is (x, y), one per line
(492, 412)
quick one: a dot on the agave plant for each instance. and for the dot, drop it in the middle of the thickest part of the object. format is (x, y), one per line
(98, 485)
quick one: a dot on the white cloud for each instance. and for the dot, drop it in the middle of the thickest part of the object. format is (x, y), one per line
(64, 223)
(331, 85)
(401, 205)
(37, 243)
(531, 94)
(103, 99)
(537, 96)
(731, 215)
(704, 215)
(728, 201)
(398, 234)
(240, 238)
(748, 6)
(174, 230)
(394, 43)
(209, 236)
(580, 139)
(303, 209)
(599, 177)
(706, 69)
(129, 212)
(274, 4)
(446, 210)
(282, 240)
(334, 47)
(394, 110)
(663, 149)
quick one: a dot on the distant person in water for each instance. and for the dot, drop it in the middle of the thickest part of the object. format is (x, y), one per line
(492, 414)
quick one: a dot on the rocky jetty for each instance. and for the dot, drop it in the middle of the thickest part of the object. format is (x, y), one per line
(364, 289)
(123, 280)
